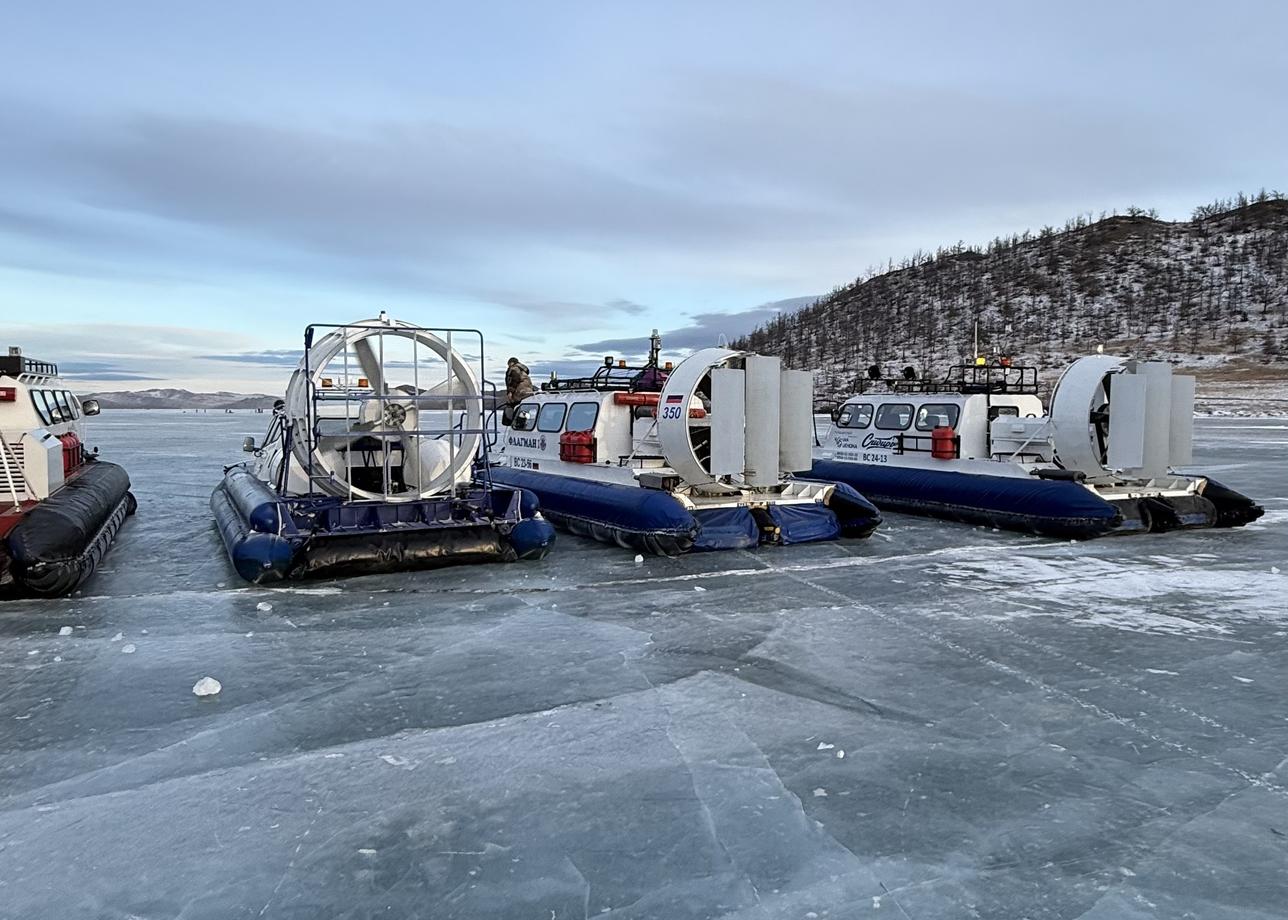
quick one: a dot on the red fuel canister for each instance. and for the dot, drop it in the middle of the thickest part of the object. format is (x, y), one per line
(943, 443)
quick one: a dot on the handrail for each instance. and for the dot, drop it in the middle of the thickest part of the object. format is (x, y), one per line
(12, 458)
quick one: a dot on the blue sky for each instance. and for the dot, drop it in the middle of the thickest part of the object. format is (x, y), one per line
(184, 186)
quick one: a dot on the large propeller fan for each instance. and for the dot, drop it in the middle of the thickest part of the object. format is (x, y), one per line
(342, 425)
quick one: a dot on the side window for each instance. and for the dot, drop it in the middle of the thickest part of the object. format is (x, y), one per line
(64, 404)
(996, 412)
(855, 416)
(73, 403)
(935, 415)
(894, 416)
(525, 417)
(552, 416)
(42, 407)
(60, 412)
(55, 412)
(582, 416)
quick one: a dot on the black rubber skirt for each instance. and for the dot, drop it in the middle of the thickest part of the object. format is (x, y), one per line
(61, 541)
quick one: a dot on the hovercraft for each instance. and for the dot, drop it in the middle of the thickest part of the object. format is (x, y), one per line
(977, 447)
(60, 506)
(665, 460)
(360, 473)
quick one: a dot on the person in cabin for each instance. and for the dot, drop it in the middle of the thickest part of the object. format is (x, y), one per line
(518, 387)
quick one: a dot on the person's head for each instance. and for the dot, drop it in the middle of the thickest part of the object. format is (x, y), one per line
(512, 362)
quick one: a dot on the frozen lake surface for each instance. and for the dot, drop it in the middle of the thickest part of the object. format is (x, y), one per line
(938, 722)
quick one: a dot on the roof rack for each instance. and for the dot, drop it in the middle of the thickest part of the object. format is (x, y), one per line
(13, 365)
(996, 377)
(647, 377)
(617, 377)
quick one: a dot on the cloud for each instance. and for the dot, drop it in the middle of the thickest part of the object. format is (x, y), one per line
(275, 357)
(628, 307)
(107, 375)
(423, 194)
(98, 370)
(705, 330)
(101, 352)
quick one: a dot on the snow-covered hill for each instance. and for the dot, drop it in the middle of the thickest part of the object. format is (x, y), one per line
(168, 398)
(1208, 293)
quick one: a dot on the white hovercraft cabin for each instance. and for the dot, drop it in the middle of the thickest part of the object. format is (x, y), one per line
(978, 446)
(60, 508)
(667, 459)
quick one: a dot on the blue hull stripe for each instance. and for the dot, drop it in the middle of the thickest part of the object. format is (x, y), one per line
(650, 520)
(1041, 506)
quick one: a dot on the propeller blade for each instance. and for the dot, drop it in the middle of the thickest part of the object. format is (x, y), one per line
(370, 363)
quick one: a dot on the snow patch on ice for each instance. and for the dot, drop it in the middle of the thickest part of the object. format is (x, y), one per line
(65, 631)
(820, 793)
(128, 648)
(1243, 680)
(117, 638)
(1129, 595)
(207, 686)
(1162, 671)
(263, 606)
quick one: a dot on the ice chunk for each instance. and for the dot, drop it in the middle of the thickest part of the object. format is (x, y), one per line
(394, 761)
(699, 588)
(207, 686)
(65, 631)
(840, 755)
(824, 746)
(639, 560)
(118, 637)
(263, 606)
(128, 648)
(820, 793)
(1242, 680)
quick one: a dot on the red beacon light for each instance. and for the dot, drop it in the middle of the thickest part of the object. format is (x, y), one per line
(8, 394)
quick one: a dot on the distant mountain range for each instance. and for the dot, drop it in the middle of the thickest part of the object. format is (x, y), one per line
(1210, 293)
(167, 398)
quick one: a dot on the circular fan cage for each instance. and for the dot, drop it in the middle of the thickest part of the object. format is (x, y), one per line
(392, 412)
(1080, 406)
(686, 440)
